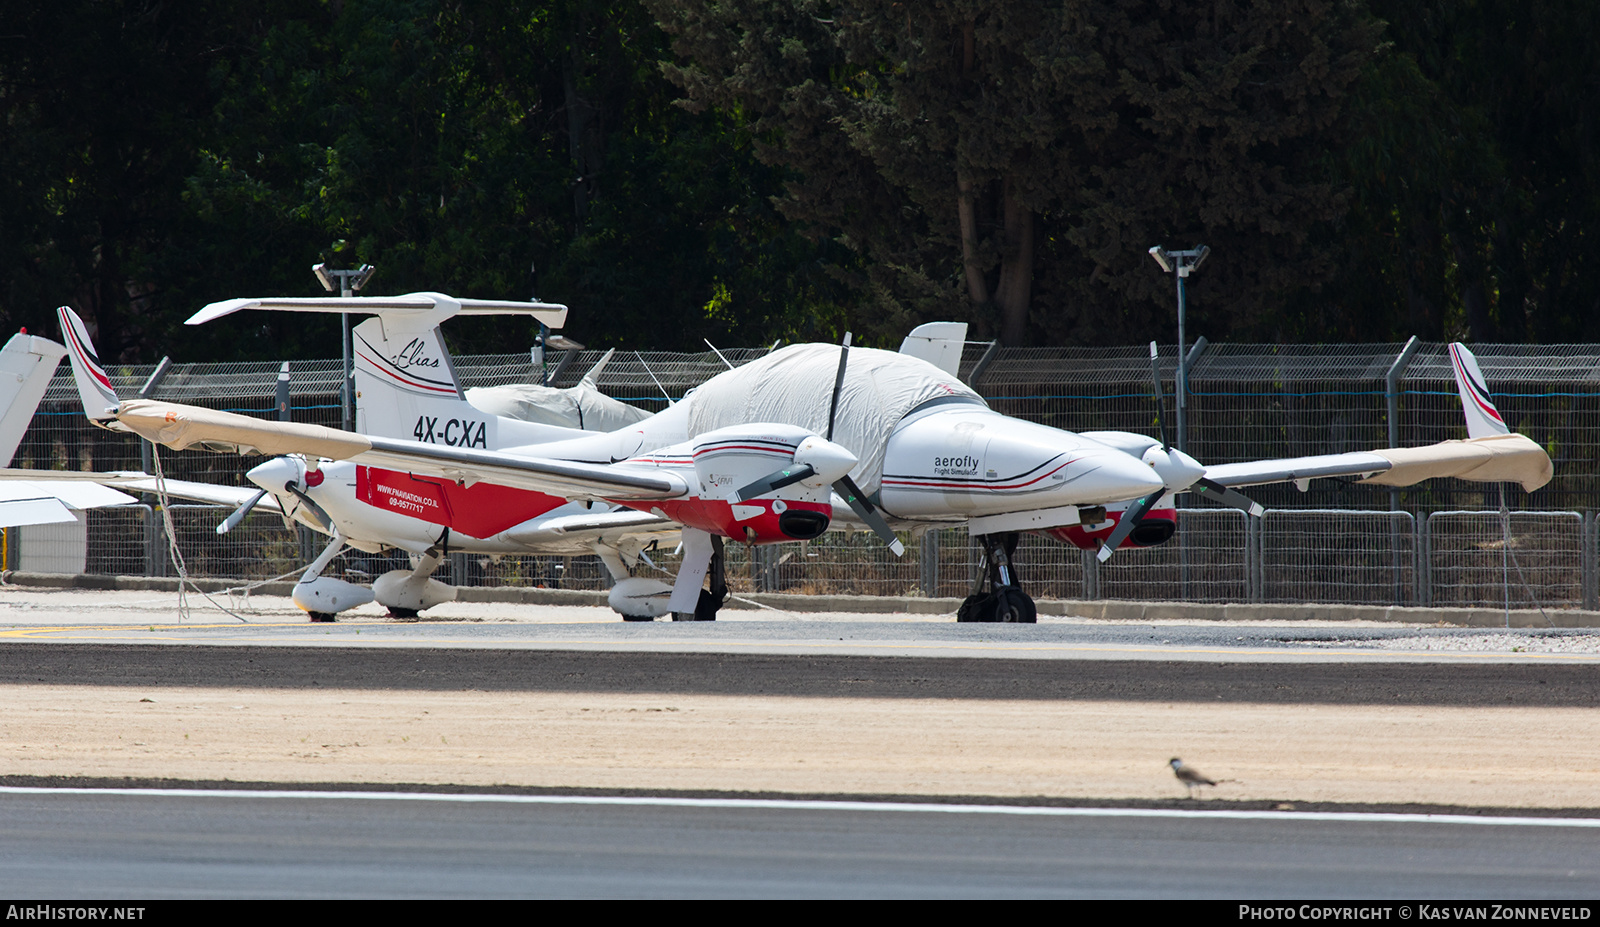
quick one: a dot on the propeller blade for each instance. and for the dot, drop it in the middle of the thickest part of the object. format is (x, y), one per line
(1161, 401)
(1215, 490)
(775, 480)
(857, 500)
(1125, 526)
(838, 384)
(317, 512)
(240, 513)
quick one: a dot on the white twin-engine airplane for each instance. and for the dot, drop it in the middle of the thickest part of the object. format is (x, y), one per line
(774, 451)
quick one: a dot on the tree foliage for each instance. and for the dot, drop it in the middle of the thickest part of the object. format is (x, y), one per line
(1014, 161)
(747, 170)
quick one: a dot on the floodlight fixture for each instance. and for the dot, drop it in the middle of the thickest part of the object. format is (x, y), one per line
(561, 343)
(1181, 264)
(347, 283)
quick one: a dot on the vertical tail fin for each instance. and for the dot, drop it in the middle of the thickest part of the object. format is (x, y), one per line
(94, 387)
(406, 387)
(1483, 419)
(27, 363)
(938, 343)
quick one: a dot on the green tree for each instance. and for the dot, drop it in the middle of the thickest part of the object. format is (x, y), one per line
(1011, 162)
(455, 146)
(103, 108)
(1477, 174)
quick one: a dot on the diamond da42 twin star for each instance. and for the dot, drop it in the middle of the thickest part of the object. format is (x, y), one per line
(779, 449)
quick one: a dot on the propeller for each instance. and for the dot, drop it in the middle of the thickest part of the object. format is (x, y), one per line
(317, 513)
(822, 461)
(1202, 484)
(774, 481)
(857, 500)
(240, 513)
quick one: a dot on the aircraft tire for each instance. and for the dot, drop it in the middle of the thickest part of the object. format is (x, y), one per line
(976, 608)
(706, 609)
(1013, 606)
(402, 613)
(640, 618)
(322, 616)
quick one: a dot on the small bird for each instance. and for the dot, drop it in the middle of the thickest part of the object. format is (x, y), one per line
(1188, 775)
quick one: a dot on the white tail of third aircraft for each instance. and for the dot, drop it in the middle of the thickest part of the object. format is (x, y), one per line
(1483, 419)
(94, 387)
(27, 363)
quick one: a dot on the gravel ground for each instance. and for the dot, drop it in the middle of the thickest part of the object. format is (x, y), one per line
(1553, 641)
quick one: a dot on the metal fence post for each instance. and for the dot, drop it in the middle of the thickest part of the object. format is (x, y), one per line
(1425, 561)
(1588, 553)
(930, 563)
(1252, 558)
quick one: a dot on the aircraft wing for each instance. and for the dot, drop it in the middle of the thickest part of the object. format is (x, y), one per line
(46, 501)
(600, 526)
(1512, 458)
(75, 487)
(207, 492)
(181, 426)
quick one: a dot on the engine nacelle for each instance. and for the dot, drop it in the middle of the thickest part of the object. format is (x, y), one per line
(1156, 527)
(729, 459)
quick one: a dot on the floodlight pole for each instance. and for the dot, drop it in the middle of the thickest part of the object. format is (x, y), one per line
(349, 282)
(1181, 264)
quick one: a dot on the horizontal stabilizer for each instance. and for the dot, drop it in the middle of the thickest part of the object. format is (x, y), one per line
(553, 315)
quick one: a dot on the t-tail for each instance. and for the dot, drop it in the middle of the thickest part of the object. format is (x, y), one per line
(1483, 419)
(406, 387)
(94, 386)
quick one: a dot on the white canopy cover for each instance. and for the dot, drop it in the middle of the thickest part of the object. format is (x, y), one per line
(794, 386)
(580, 406)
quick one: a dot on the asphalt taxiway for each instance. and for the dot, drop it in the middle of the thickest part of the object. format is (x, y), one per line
(121, 687)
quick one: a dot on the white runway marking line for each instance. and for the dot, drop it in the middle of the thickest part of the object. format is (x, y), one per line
(798, 805)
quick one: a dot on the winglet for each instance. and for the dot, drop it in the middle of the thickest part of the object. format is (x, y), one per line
(1483, 419)
(94, 386)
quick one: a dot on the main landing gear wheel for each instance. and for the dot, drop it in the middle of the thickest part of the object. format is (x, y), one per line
(1004, 601)
(1013, 606)
(403, 613)
(322, 616)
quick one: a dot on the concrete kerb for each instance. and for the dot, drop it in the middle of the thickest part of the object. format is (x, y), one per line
(1106, 610)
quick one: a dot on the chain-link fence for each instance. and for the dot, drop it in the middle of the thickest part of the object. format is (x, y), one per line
(1337, 542)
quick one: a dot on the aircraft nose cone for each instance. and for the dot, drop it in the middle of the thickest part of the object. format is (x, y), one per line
(272, 474)
(1120, 477)
(1176, 469)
